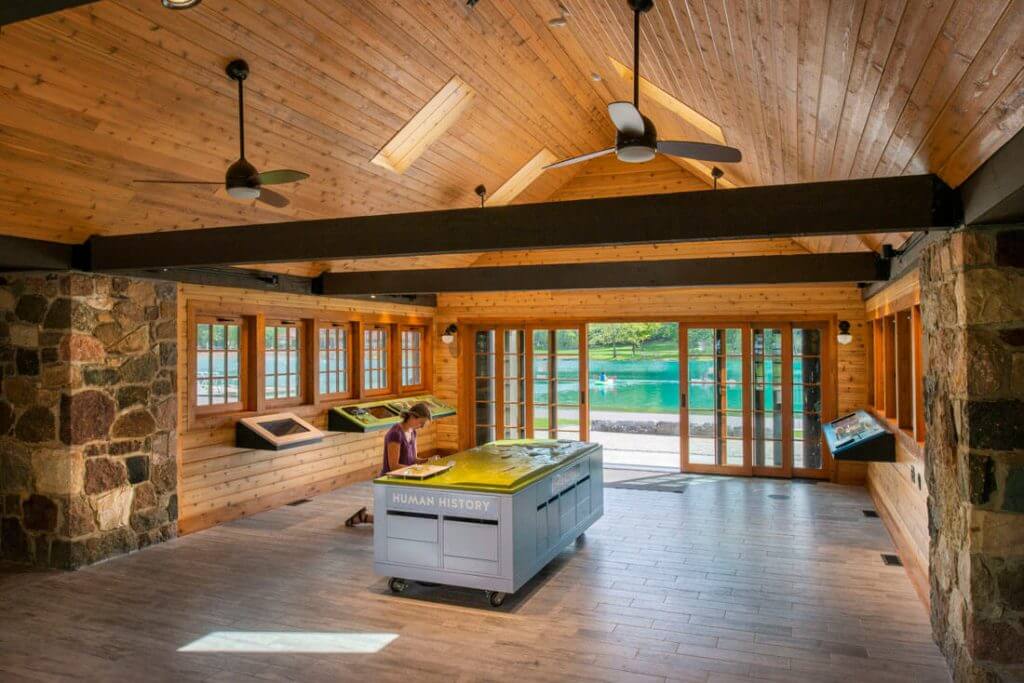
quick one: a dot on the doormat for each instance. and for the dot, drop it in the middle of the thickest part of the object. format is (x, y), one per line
(668, 483)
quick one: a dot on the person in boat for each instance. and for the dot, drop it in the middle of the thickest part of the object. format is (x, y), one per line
(399, 449)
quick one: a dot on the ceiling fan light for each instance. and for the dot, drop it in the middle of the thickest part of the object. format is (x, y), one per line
(635, 154)
(180, 4)
(244, 192)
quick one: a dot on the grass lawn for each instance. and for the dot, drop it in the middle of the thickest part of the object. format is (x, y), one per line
(656, 350)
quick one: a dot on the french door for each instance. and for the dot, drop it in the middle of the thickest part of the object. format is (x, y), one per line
(753, 399)
(527, 382)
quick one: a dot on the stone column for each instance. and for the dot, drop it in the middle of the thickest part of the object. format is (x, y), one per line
(972, 304)
(88, 413)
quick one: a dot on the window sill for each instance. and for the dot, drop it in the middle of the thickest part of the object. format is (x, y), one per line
(904, 437)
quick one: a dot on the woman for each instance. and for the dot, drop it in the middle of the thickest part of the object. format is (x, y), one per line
(399, 449)
(400, 441)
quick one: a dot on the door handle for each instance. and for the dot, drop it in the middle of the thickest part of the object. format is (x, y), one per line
(682, 400)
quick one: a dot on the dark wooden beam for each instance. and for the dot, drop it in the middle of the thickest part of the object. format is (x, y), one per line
(877, 205)
(994, 194)
(744, 270)
(265, 281)
(12, 11)
(19, 253)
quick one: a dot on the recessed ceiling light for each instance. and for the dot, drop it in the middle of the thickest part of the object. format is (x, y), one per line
(557, 22)
(594, 76)
(180, 4)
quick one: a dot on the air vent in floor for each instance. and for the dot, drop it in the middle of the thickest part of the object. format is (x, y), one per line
(892, 560)
(300, 501)
(869, 513)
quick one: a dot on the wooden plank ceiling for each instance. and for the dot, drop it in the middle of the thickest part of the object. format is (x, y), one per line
(94, 97)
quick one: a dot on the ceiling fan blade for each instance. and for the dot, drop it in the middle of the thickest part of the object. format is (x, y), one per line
(626, 118)
(272, 198)
(583, 157)
(182, 182)
(280, 176)
(704, 151)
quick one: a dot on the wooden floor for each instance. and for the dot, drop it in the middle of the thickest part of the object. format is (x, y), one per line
(733, 580)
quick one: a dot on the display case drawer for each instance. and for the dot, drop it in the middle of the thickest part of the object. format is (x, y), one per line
(468, 564)
(412, 527)
(419, 553)
(476, 539)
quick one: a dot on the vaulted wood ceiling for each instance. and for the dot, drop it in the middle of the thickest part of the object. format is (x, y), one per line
(95, 97)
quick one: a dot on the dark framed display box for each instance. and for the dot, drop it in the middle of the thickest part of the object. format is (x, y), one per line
(275, 432)
(860, 437)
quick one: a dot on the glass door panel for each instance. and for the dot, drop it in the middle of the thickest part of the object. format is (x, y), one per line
(569, 404)
(485, 397)
(514, 384)
(555, 383)
(715, 424)
(807, 398)
(769, 403)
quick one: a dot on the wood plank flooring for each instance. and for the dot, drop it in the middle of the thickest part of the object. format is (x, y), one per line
(737, 580)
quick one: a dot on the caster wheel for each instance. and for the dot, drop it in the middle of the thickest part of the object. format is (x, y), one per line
(496, 598)
(397, 585)
(581, 539)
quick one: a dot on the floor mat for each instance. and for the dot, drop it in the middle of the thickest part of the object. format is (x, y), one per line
(669, 483)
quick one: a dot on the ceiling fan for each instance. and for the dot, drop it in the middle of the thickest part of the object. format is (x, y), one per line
(636, 138)
(243, 181)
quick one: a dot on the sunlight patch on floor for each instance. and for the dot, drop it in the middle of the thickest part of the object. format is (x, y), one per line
(290, 642)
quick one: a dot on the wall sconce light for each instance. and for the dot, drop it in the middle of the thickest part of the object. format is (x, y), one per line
(448, 336)
(180, 4)
(844, 337)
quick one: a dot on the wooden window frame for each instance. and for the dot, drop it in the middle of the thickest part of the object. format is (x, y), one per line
(425, 355)
(896, 364)
(350, 329)
(918, 359)
(192, 373)
(302, 326)
(389, 358)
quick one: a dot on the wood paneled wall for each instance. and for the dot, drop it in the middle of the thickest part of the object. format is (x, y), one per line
(898, 489)
(825, 302)
(218, 482)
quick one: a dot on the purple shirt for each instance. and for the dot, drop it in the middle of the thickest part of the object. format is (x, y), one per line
(406, 447)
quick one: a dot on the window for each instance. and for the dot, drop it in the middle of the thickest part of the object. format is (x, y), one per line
(412, 357)
(333, 368)
(376, 354)
(896, 365)
(218, 356)
(282, 369)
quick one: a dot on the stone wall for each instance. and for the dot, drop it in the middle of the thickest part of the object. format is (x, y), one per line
(972, 303)
(87, 417)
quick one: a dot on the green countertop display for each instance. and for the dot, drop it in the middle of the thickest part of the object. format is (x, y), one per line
(499, 466)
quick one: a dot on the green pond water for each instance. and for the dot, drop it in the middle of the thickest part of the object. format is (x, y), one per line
(652, 386)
